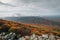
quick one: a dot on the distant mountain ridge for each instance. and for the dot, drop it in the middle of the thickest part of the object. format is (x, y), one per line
(54, 18)
(33, 20)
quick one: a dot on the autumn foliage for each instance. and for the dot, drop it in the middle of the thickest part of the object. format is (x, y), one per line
(27, 29)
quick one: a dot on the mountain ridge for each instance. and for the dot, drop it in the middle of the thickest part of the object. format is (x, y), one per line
(33, 20)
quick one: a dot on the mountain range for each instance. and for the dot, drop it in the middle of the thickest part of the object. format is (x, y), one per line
(33, 20)
(54, 18)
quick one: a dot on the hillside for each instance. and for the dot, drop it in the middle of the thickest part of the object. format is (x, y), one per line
(27, 29)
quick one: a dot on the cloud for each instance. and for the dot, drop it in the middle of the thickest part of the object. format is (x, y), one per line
(32, 7)
(6, 4)
(42, 7)
(48, 4)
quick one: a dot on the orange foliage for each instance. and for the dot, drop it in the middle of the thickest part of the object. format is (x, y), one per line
(37, 29)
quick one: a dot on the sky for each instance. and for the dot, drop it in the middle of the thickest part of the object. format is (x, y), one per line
(29, 8)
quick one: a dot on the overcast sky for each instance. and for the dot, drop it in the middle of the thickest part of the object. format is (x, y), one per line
(29, 7)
